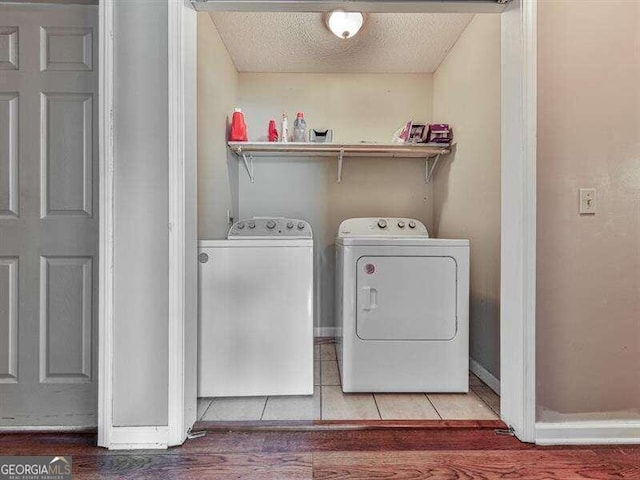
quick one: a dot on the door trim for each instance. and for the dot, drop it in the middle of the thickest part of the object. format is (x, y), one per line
(518, 218)
(370, 6)
(127, 438)
(119, 437)
(182, 111)
(177, 225)
(106, 209)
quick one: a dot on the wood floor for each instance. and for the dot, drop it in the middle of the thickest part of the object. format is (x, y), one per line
(456, 451)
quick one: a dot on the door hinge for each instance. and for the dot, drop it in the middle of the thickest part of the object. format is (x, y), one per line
(506, 431)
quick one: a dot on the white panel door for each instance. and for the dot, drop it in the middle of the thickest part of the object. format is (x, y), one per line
(406, 298)
(48, 215)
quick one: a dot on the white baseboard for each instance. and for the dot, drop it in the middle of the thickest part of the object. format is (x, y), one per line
(599, 432)
(136, 438)
(483, 374)
(326, 331)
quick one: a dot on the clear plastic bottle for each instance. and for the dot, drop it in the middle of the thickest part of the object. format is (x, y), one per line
(300, 128)
(284, 133)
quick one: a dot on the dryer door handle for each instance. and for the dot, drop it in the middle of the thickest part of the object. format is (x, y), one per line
(369, 298)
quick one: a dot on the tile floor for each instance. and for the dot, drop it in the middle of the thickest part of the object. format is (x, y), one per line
(328, 402)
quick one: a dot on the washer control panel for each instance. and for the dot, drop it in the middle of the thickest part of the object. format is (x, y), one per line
(382, 226)
(260, 227)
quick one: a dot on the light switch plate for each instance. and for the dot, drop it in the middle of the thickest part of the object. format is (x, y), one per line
(587, 201)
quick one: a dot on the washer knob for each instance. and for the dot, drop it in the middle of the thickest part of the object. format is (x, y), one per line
(382, 223)
(252, 225)
(300, 225)
(271, 224)
(401, 224)
(289, 225)
(412, 224)
(240, 226)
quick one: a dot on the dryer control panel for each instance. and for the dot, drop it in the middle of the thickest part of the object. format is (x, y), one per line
(382, 227)
(270, 227)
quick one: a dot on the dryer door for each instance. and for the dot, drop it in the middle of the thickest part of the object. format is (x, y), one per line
(406, 298)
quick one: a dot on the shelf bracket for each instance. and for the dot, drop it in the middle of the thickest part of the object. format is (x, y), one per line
(248, 164)
(428, 172)
(340, 158)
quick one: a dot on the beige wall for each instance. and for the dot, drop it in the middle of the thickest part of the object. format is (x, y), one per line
(358, 107)
(217, 170)
(467, 92)
(588, 295)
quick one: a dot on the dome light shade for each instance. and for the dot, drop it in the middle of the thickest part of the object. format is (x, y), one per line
(344, 24)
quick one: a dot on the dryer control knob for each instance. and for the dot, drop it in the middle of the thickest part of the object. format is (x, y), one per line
(289, 225)
(271, 224)
(401, 224)
(412, 224)
(300, 225)
(252, 224)
(382, 223)
(240, 226)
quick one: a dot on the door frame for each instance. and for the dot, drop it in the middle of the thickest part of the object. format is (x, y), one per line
(107, 221)
(518, 216)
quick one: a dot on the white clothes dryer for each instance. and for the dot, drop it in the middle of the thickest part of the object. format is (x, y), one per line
(402, 308)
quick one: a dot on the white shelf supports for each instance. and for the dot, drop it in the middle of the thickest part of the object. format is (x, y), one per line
(247, 150)
(428, 172)
(247, 164)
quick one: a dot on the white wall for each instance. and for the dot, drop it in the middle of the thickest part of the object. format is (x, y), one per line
(141, 271)
(467, 94)
(217, 168)
(358, 107)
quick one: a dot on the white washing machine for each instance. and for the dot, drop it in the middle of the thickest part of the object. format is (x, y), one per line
(402, 308)
(256, 310)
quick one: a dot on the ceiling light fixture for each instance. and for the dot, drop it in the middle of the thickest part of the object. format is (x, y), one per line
(344, 24)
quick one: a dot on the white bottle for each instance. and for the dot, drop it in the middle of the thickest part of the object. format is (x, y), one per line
(284, 132)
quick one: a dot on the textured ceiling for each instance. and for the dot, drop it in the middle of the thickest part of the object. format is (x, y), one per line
(299, 42)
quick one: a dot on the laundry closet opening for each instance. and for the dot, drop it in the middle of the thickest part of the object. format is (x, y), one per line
(423, 342)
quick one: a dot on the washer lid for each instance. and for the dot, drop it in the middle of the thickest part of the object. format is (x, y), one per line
(382, 227)
(271, 242)
(270, 228)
